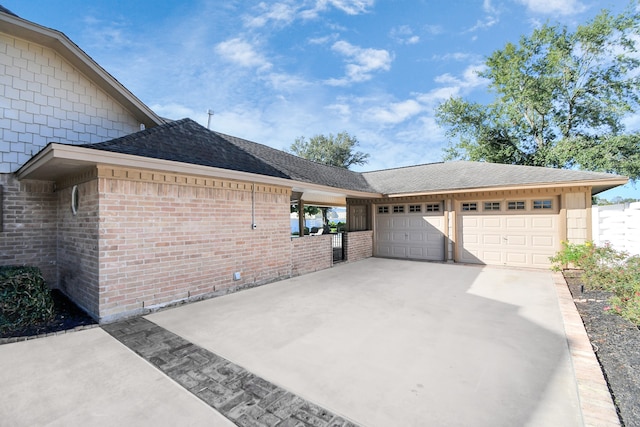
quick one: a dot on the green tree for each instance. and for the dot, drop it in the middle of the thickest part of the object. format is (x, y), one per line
(330, 150)
(560, 100)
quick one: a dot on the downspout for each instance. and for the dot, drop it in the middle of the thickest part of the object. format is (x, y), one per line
(253, 206)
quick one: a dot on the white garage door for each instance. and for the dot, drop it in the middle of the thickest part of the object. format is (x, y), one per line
(413, 231)
(519, 233)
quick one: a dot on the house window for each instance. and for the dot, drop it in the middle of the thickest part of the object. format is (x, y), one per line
(491, 206)
(542, 204)
(473, 206)
(398, 209)
(433, 207)
(75, 200)
(415, 208)
(516, 206)
(383, 209)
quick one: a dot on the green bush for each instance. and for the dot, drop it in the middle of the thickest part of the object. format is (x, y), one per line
(572, 254)
(607, 269)
(25, 299)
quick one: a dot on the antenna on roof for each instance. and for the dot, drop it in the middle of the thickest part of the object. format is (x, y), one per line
(210, 113)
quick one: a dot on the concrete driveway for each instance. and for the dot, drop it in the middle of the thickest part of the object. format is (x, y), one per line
(379, 342)
(386, 342)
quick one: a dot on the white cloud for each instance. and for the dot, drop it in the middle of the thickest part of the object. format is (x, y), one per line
(552, 7)
(361, 62)
(487, 22)
(404, 35)
(279, 13)
(394, 113)
(350, 7)
(242, 53)
(455, 56)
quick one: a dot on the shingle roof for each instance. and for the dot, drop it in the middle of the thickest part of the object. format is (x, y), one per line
(301, 169)
(460, 175)
(188, 142)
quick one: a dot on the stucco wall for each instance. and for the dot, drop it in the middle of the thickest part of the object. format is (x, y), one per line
(358, 245)
(45, 99)
(77, 254)
(28, 235)
(164, 238)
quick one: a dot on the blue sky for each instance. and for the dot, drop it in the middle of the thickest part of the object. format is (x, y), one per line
(275, 70)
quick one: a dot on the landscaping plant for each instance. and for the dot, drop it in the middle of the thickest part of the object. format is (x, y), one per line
(607, 269)
(25, 299)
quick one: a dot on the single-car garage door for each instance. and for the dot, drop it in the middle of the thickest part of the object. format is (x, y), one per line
(413, 231)
(519, 233)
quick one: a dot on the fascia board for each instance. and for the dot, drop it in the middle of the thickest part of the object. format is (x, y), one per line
(92, 156)
(613, 182)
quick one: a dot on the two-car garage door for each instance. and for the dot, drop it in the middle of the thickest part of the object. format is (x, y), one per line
(519, 232)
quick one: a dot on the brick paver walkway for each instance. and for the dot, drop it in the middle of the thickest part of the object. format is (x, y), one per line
(239, 395)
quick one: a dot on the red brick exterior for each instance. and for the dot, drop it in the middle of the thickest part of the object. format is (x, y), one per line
(358, 245)
(311, 253)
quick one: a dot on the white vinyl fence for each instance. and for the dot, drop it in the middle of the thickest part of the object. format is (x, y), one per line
(618, 225)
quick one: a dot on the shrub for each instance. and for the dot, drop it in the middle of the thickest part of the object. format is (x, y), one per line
(572, 254)
(25, 299)
(607, 269)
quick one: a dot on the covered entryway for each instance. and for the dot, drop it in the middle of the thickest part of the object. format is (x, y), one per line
(518, 233)
(412, 230)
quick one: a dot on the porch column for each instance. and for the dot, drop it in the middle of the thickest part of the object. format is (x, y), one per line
(301, 217)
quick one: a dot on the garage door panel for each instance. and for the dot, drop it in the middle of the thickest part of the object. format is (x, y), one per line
(410, 235)
(543, 241)
(398, 223)
(491, 222)
(383, 236)
(514, 240)
(526, 239)
(516, 258)
(491, 239)
(416, 237)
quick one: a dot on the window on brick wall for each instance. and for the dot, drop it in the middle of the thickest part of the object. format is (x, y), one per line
(75, 199)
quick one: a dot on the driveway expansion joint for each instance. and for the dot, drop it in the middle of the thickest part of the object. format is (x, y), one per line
(239, 395)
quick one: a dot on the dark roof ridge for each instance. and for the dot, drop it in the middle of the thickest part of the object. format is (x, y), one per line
(7, 11)
(136, 135)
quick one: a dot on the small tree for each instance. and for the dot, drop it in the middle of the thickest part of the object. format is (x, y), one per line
(329, 150)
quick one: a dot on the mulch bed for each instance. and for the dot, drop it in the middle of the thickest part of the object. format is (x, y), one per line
(68, 316)
(616, 342)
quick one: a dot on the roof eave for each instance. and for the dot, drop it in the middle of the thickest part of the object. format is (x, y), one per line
(598, 186)
(58, 160)
(59, 42)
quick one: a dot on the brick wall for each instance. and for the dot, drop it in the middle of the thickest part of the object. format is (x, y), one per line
(44, 99)
(77, 255)
(28, 235)
(311, 253)
(162, 242)
(358, 245)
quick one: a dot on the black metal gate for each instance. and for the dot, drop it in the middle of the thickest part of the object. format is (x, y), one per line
(337, 241)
